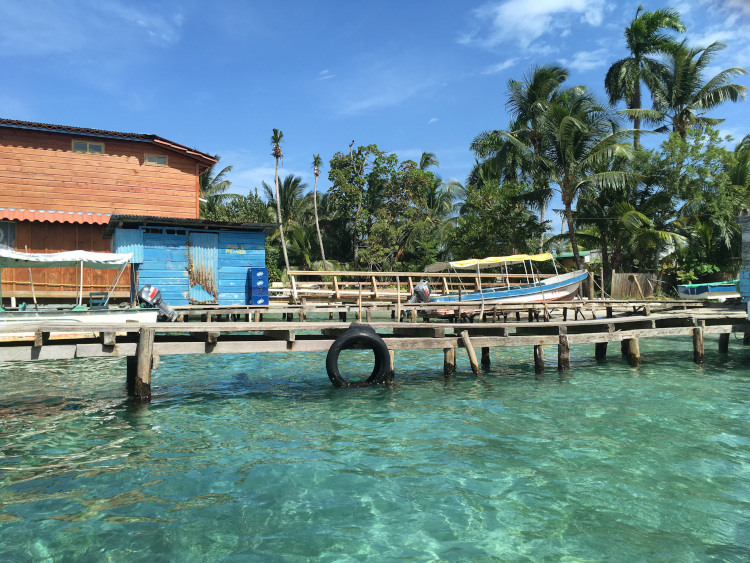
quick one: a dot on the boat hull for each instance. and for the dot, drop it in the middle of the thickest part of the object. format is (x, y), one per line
(558, 288)
(718, 291)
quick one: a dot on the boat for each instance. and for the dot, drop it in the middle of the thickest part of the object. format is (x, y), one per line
(560, 287)
(97, 312)
(720, 291)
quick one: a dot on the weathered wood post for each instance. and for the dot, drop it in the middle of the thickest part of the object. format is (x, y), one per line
(563, 350)
(698, 353)
(724, 343)
(449, 361)
(746, 337)
(486, 356)
(625, 346)
(538, 359)
(600, 350)
(139, 367)
(391, 368)
(470, 351)
(634, 353)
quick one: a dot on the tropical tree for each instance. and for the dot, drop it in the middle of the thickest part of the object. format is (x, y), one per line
(682, 96)
(644, 38)
(528, 102)
(294, 203)
(317, 163)
(580, 134)
(213, 187)
(276, 152)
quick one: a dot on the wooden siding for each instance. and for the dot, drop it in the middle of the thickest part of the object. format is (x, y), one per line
(39, 170)
(58, 237)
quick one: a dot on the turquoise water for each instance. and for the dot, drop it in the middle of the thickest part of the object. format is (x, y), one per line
(258, 458)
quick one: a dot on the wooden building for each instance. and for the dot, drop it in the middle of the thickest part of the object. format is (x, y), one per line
(191, 261)
(59, 186)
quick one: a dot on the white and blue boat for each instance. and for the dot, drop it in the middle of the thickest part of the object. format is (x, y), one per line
(560, 287)
(719, 291)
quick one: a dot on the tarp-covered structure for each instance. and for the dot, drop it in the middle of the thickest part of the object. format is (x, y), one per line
(491, 262)
(80, 258)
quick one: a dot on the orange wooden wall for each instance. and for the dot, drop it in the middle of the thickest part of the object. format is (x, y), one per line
(39, 170)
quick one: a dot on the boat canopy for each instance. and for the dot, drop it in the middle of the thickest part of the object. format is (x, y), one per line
(491, 262)
(79, 258)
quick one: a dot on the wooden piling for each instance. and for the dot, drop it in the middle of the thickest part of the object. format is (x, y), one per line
(600, 350)
(449, 361)
(485, 356)
(624, 346)
(391, 368)
(698, 352)
(634, 353)
(724, 343)
(538, 359)
(470, 351)
(563, 350)
(144, 354)
(746, 337)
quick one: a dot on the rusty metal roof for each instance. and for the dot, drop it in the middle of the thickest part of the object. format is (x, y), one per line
(135, 221)
(51, 216)
(71, 130)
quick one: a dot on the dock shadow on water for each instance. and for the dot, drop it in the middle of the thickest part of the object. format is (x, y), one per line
(258, 457)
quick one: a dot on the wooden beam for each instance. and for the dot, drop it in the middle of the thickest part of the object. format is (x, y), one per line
(470, 352)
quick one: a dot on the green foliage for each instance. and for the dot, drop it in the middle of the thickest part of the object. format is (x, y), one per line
(239, 209)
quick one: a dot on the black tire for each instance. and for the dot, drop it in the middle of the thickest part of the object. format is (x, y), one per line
(365, 336)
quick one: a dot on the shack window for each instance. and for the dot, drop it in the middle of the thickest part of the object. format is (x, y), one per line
(7, 235)
(156, 159)
(88, 147)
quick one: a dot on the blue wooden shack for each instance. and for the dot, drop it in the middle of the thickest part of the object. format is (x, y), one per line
(192, 261)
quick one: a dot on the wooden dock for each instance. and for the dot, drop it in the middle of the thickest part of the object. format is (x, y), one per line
(144, 344)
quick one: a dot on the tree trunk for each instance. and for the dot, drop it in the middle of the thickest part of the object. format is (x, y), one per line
(637, 120)
(317, 224)
(572, 234)
(279, 218)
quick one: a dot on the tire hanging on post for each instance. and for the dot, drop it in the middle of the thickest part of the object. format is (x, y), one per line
(358, 336)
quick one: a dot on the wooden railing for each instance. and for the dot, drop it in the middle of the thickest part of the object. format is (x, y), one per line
(390, 286)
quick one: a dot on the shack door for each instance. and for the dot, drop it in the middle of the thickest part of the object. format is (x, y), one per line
(203, 267)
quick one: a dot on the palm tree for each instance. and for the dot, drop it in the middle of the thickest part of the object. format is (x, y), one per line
(213, 189)
(528, 103)
(294, 203)
(276, 139)
(682, 97)
(580, 135)
(317, 162)
(644, 37)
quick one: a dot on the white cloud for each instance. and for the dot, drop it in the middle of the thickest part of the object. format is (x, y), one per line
(53, 27)
(433, 120)
(325, 75)
(523, 21)
(587, 60)
(499, 67)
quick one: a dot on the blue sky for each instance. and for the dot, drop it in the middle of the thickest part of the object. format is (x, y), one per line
(407, 76)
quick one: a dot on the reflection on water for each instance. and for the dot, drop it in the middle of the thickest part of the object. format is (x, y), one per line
(258, 457)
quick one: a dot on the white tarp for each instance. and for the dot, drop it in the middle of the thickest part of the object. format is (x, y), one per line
(97, 260)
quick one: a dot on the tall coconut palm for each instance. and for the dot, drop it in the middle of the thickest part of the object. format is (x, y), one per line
(317, 163)
(580, 134)
(276, 139)
(644, 38)
(682, 96)
(528, 102)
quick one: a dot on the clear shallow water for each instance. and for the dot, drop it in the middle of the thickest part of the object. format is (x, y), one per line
(258, 457)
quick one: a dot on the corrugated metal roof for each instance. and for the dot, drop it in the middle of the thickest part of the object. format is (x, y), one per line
(52, 216)
(135, 221)
(69, 129)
